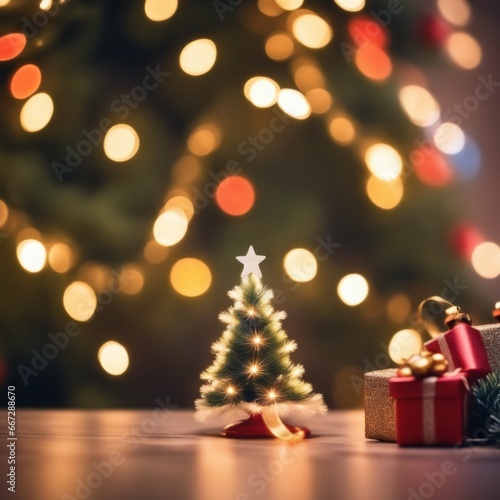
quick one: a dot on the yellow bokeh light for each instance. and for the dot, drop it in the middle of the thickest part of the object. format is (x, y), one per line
(449, 138)
(312, 31)
(289, 4)
(342, 130)
(457, 12)
(3, 3)
(190, 277)
(154, 252)
(279, 46)
(113, 358)
(269, 8)
(398, 308)
(384, 162)
(80, 301)
(261, 91)
(198, 57)
(353, 289)
(186, 169)
(307, 75)
(419, 105)
(131, 279)
(350, 5)
(31, 255)
(121, 143)
(45, 4)
(293, 103)
(464, 50)
(160, 10)
(384, 194)
(204, 140)
(486, 260)
(320, 100)
(28, 233)
(300, 264)
(182, 203)
(95, 274)
(4, 213)
(170, 227)
(404, 344)
(60, 257)
(36, 112)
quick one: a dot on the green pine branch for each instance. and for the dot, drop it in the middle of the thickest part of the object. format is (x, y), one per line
(486, 408)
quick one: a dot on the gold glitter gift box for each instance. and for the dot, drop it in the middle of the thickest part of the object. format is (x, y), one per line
(491, 340)
(380, 408)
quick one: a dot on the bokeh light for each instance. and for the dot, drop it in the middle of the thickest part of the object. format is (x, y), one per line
(131, 279)
(342, 130)
(182, 203)
(269, 8)
(365, 29)
(204, 140)
(3, 3)
(28, 233)
(113, 358)
(60, 257)
(320, 100)
(170, 227)
(160, 10)
(11, 46)
(419, 105)
(121, 143)
(353, 289)
(31, 255)
(312, 31)
(300, 265)
(464, 238)
(4, 213)
(464, 50)
(261, 91)
(36, 112)
(373, 62)
(467, 162)
(25, 81)
(289, 4)
(486, 260)
(294, 104)
(449, 138)
(45, 4)
(404, 344)
(431, 166)
(384, 194)
(398, 308)
(279, 46)
(198, 57)
(235, 195)
(350, 5)
(457, 12)
(190, 277)
(307, 75)
(384, 162)
(80, 301)
(154, 252)
(186, 169)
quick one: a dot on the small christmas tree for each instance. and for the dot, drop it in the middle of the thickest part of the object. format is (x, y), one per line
(252, 371)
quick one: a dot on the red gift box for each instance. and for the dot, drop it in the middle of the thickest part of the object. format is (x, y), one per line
(463, 348)
(430, 410)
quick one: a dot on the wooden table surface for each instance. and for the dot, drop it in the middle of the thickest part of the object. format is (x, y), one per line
(166, 454)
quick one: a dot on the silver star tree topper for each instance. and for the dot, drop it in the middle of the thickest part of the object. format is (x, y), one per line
(251, 263)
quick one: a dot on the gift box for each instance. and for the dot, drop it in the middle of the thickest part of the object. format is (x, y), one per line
(430, 410)
(473, 349)
(380, 408)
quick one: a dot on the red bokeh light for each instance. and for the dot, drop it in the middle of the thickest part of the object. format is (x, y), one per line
(235, 195)
(25, 81)
(364, 30)
(464, 238)
(431, 167)
(11, 46)
(373, 62)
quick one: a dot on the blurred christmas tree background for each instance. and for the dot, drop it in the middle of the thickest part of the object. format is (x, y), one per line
(146, 144)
